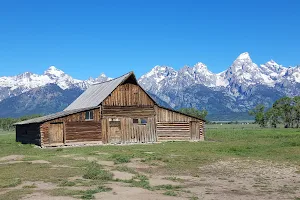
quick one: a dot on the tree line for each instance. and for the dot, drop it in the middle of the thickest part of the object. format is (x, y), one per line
(194, 112)
(6, 124)
(284, 111)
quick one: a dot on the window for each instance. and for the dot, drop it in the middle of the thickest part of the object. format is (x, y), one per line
(141, 121)
(114, 122)
(89, 115)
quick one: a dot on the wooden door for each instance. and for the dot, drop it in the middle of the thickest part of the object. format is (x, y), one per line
(115, 132)
(195, 130)
(56, 133)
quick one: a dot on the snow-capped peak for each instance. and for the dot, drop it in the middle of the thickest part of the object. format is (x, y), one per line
(244, 56)
(102, 75)
(200, 66)
(52, 71)
(272, 62)
(160, 71)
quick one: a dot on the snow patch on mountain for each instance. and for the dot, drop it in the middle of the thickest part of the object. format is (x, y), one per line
(15, 85)
(236, 82)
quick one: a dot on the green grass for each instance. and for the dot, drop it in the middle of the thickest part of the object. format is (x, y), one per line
(29, 186)
(174, 178)
(167, 187)
(89, 194)
(15, 194)
(67, 183)
(125, 169)
(6, 183)
(94, 171)
(170, 193)
(82, 194)
(119, 158)
(170, 158)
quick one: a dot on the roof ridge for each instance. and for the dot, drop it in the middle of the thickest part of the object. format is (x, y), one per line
(112, 79)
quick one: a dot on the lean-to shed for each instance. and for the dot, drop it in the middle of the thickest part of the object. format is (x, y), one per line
(115, 111)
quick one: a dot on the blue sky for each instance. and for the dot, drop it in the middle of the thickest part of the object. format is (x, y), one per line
(85, 38)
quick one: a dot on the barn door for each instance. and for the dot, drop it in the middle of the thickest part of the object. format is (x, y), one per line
(56, 133)
(115, 131)
(195, 130)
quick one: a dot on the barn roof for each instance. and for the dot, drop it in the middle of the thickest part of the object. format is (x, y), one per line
(95, 94)
(53, 116)
(90, 99)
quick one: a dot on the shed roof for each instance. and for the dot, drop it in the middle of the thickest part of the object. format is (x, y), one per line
(53, 116)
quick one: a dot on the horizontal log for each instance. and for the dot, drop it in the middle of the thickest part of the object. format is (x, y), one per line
(172, 129)
(173, 138)
(173, 135)
(173, 122)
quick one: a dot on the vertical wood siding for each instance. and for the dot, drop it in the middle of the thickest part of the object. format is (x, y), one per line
(128, 131)
(128, 95)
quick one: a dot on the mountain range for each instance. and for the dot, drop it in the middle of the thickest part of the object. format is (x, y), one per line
(227, 95)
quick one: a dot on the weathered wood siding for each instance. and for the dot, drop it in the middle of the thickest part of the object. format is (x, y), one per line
(76, 128)
(172, 125)
(127, 111)
(83, 131)
(128, 95)
(128, 131)
(127, 102)
(173, 131)
(56, 133)
(195, 130)
(28, 134)
(202, 130)
(165, 115)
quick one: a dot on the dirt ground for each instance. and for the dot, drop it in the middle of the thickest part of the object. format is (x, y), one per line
(231, 179)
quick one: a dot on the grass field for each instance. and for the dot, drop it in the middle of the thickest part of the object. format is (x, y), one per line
(233, 163)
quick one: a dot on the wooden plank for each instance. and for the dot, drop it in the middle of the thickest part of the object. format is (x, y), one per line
(128, 94)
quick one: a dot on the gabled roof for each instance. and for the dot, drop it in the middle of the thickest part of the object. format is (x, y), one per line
(97, 93)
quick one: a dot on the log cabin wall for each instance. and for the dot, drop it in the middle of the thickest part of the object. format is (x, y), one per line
(76, 128)
(171, 125)
(28, 134)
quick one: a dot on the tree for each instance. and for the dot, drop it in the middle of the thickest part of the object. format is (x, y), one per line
(272, 116)
(285, 110)
(297, 111)
(194, 112)
(259, 114)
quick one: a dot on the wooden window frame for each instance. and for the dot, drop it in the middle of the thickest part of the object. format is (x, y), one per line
(89, 115)
(138, 121)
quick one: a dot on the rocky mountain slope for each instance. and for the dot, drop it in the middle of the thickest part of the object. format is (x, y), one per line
(227, 95)
(15, 85)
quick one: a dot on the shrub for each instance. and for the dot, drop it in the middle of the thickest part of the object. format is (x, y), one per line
(95, 172)
(118, 158)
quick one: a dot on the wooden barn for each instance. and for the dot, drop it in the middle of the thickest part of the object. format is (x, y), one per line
(117, 111)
